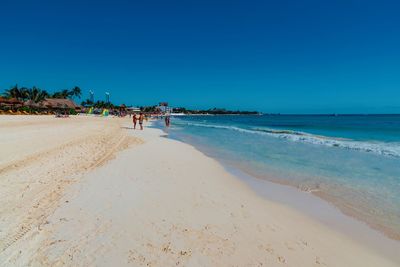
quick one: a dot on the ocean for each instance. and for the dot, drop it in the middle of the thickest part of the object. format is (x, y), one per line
(352, 161)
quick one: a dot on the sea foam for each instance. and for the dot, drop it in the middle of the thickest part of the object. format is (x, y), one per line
(388, 149)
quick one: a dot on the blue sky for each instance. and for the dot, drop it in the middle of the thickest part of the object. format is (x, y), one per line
(271, 56)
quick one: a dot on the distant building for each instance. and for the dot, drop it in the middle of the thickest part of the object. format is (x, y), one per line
(133, 109)
(164, 108)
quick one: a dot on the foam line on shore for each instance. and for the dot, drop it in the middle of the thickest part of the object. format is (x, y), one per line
(392, 150)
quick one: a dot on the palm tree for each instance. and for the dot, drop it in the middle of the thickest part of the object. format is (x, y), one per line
(56, 95)
(13, 92)
(87, 102)
(36, 95)
(23, 93)
(100, 104)
(66, 93)
(45, 93)
(18, 93)
(76, 91)
(32, 93)
(62, 94)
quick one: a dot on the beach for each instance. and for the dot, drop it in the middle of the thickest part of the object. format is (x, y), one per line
(350, 161)
(91, 191)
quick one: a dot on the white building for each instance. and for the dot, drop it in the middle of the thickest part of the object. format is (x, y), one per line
(164, 108)
(133, 109)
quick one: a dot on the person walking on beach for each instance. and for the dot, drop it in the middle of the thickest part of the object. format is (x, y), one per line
(134, 120)
(167, 120)
(141, 118)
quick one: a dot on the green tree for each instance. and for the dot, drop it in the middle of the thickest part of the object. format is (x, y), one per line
(56, 95)
(100, 104)
(62, 94)
(14, 92)
(87, 102)
(76, 92)
(23, 93)
(36, 94)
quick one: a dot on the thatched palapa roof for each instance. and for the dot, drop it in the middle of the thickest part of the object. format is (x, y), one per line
(33, 104)
(52, 103)
(59, 103)
(9, 101)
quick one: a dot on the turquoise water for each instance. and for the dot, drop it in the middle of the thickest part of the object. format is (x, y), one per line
(351, 161)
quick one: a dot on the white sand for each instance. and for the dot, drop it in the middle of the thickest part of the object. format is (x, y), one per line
(160, 203)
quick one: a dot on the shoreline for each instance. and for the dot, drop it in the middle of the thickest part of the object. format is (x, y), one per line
(322, 210)
(162, 202)
(326, 211)
(325, 197)
(387, 230)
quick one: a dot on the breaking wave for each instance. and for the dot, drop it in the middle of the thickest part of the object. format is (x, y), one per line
(392, 149)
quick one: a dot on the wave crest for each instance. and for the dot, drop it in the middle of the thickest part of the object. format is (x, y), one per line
(380, 148)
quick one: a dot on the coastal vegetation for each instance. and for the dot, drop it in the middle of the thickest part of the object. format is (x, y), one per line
(214, 111)
(32, 100)
(37, 95)
(98, 104)
(23, 100)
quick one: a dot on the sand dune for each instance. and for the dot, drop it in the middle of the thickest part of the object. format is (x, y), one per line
(160, 203)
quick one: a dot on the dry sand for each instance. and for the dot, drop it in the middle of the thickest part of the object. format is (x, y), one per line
(39, 157)
(159, 203)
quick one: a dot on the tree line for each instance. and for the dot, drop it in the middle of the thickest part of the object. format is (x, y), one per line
(98, 104)
(36, 94)
(214, 111)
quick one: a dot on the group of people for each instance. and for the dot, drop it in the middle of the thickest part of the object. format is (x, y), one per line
(139, 118)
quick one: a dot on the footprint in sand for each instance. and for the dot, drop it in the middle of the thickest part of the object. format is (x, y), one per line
(281, 259)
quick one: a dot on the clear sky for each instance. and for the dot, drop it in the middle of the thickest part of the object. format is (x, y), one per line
(272, 56)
